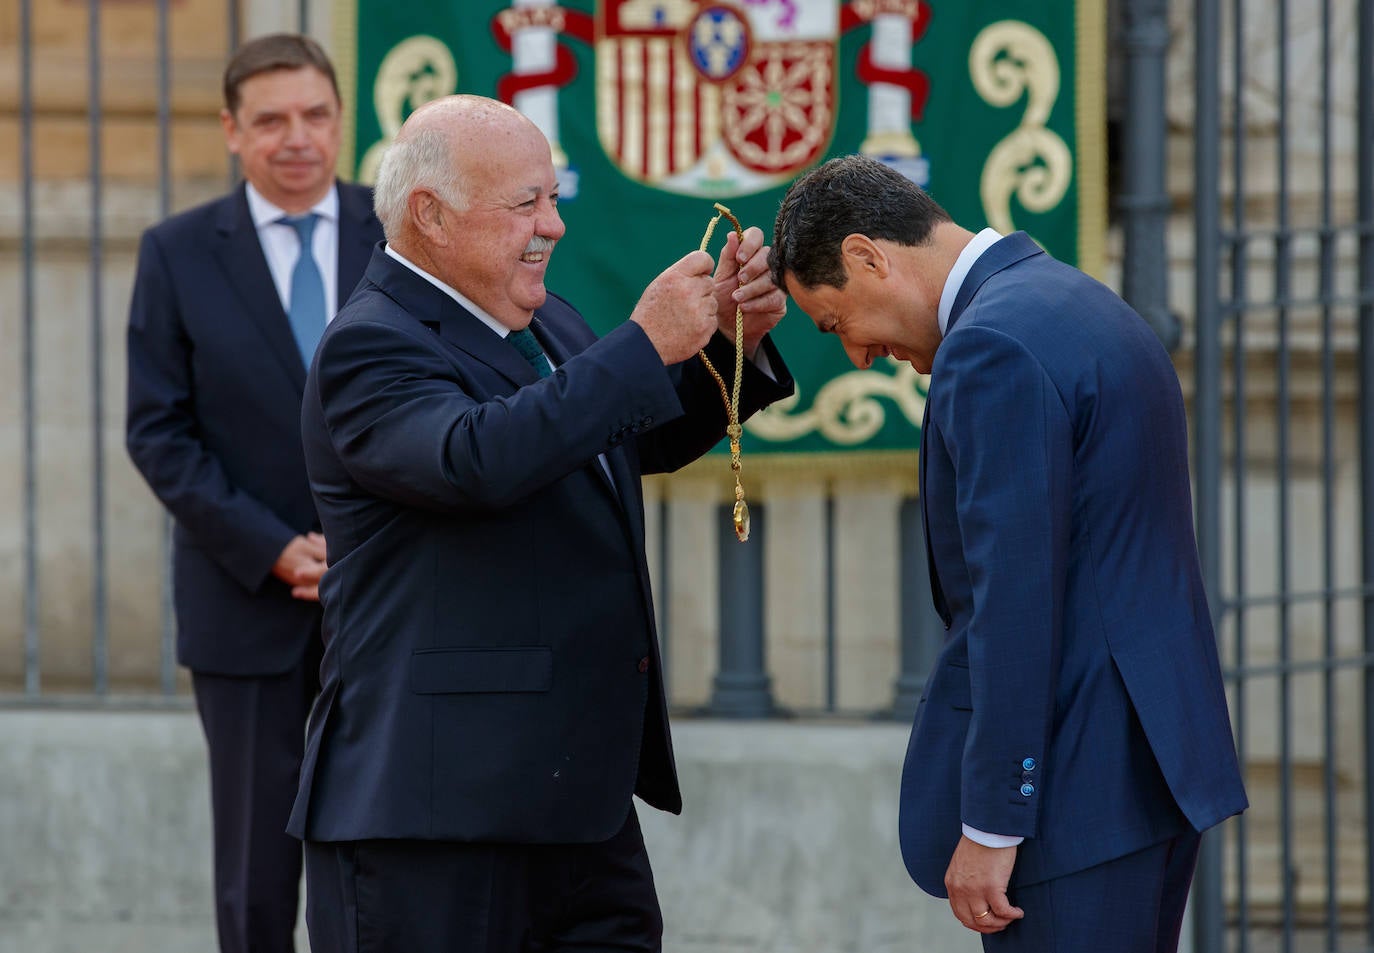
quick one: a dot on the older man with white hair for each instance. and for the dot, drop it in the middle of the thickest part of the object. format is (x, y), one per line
(491, 688)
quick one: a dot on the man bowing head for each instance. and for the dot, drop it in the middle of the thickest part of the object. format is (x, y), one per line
(1073, 738)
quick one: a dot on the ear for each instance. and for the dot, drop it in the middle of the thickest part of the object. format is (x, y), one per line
(231, 131)
(862, 255)
(427, 212)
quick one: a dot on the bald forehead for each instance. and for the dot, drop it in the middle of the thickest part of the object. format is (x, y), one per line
(464, 115)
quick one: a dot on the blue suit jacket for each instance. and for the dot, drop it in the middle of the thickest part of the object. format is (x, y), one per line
(213, 423)
(491, 669)
(1078, 699)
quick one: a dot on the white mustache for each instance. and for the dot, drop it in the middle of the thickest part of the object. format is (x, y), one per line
(538, 245)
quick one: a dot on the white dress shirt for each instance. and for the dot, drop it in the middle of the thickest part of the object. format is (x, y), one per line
(962, 266)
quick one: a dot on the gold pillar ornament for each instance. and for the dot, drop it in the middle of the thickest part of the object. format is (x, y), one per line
(733, 429)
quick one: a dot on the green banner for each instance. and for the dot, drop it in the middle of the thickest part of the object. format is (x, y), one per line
(657, 109)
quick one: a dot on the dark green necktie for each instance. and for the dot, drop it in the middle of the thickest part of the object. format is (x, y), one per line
(524, 342)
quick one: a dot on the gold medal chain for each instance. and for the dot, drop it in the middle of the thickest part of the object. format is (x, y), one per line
(733, 429)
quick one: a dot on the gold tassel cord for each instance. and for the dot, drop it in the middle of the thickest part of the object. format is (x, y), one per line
(733, 429)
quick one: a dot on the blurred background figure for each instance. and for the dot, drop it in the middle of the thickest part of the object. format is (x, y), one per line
(228, 305)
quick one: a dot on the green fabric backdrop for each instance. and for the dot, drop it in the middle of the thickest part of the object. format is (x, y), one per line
(1005, 129)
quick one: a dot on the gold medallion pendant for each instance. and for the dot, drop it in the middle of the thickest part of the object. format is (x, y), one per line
(741, 519)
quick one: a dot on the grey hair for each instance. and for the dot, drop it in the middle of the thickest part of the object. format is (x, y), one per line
(423, 159)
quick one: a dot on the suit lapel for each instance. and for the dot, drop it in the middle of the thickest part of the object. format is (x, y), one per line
(239, 253)
(431, 306)
(1001, 255)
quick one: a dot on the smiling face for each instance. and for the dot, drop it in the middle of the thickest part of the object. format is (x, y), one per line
(286, 133)
(880, 312)
(502, 241)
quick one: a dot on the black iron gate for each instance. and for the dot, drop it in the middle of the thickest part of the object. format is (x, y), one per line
(1284, 457)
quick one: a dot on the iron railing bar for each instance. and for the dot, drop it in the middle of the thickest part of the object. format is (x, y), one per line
(1299, 667)
(100, 635)
(167, 675)
(1364, 137)
(1284, 515)
(235, 34)
(916, 632)
(1259, 234)
(831, 615)
(1247, 306)
(1273, 600)
(28, 254)
(1208, 926)
(1239, 278)
(742, 686)
(1143, 197)
(1326, 282)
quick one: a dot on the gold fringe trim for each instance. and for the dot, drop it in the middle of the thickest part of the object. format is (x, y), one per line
(1090, 119)
(346, 71)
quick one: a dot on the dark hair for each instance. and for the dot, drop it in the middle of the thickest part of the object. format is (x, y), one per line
(273, 52)
(846, 196)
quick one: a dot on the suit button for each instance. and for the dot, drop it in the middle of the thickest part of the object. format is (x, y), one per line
(644, 664)
(646, 423)
(1027, 776)
(1028, 764)
(1027, 789)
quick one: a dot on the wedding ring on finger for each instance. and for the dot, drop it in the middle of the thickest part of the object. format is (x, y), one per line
(979, 916)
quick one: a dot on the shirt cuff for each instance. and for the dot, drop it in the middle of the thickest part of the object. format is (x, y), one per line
(991, 840)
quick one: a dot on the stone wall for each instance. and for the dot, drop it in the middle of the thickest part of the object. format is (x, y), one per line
(787, 843)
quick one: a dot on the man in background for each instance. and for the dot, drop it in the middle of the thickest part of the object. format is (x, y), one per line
(229, 302)
(1073, 739)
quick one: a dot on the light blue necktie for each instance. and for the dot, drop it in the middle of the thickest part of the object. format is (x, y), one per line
(528, 346)
(307, 289)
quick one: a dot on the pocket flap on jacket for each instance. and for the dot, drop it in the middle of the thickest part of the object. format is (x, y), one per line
(457, 671)
(952, 679)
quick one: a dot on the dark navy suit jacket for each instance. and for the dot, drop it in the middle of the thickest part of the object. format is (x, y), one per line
(214, 392)
(1078, 700)
(491, 669)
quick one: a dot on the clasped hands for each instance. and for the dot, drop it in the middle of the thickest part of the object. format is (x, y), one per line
(695, 297)
(300, 566)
